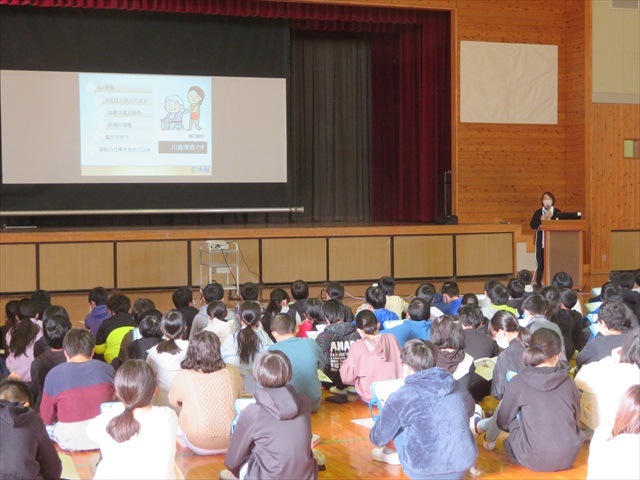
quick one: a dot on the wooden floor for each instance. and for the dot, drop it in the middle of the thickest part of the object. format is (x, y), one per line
(347, 450)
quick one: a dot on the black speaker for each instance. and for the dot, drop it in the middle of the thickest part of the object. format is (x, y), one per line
(447, 220)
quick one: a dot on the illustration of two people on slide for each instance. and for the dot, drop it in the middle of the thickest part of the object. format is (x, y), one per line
(174, 107)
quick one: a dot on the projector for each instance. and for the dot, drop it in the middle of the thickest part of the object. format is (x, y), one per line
(213, 245)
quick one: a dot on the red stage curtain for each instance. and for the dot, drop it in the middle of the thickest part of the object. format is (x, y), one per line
(411, 91)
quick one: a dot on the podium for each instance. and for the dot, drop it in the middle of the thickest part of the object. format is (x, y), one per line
(563, 248)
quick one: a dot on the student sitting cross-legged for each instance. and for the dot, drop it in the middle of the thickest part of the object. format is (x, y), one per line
(305, 355)
(373, 358)
(426, 445)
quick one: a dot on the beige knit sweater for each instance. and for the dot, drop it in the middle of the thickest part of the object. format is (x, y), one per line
(207, 405)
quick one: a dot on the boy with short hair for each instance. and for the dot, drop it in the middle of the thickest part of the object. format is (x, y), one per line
(305, 355)
(377, 299)
(213, 292)
(425, 445)
(183, 301)
(113, 329)
(451, 296)
(300, 294)
(394, 303)
(26, 451)
(335, 291)
(417, 326)
(311, 316)
(427, 292)
(98, 312)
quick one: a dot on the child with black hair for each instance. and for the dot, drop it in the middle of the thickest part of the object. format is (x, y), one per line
(217, 312)
(311, 316)
(26, 451)
(427, 291)
(278, 303)
(300, 294)
(570, 322)
(376, 301)
(242, 347)
(113, 329)
(371, 359)
(394, 303)
(11, 317)
(515, 288)
(183, 301)
(98, 311)
(448, 336)
(335, 291)
(336, 340)
(272, 438)
(417, 325)
(165, 358)
(55, 328)
(42, 345)
(151, 335)
(21, 339)
(451, 296)
(139, 441)
(498, 298)
(212, 292)
(541, 409)
(249, 291)
(140, 307)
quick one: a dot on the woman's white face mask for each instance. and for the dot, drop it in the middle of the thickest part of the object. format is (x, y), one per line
(547, 203)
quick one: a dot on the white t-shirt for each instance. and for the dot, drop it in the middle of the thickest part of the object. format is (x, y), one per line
(148, 455)
(166, 366)
(220, 328)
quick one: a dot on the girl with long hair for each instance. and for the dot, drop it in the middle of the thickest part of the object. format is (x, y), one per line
(165, 357)
(139, 442)
(21, 338)
(206, 389)
(243, 346)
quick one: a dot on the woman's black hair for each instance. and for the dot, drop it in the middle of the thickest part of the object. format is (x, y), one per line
(248, 341)
(135, 385)
(173, 326)
(553, 197)
(545, 344)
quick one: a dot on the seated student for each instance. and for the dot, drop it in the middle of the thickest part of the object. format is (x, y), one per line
(498, 297)
(626, 281)
(311, 316)
(427, 291)
(376, 300)
(213, 292)
(335, 291)
(603, 382)
(272, 438)
(11, 317)
(614, 448)
(447, 335)
(42, 299)
(305, 356)
(55, 328)
(205, 390)
(73, 392)
(111, 331)
(451, 296)
(98, 311)
(515, 288)
(138, 442)
(541, 408)
(534, 308)
(613, 323)
(26, 450)
(140, 307)
(412, 417)
(484, 299)
(513, 340)
(278, 303)
(478, 345)
(248, 292)
(165, 358)
(570, 322)
(417, 326)
(183, 301)
(217, 312)
(21, 339)
(394, 303)
(335, 341)
(564, 280)
(373, 358)
(242, 347)
(526, 277)
(42, 345)
(300, 294)
(150, 336)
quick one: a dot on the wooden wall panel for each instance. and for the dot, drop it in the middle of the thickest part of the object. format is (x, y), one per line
(359, 258)
(625, 250)
(614, 180)
(502, 169)
(289, 259)
(484, 254)
(423, 257)
(249, 259)
(17, 268)
(152, 264)
(76, 266)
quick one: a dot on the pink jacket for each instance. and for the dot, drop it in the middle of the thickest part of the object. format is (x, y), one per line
(371, 360)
